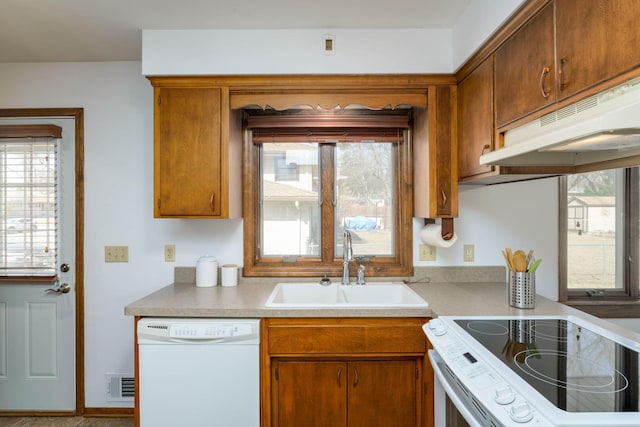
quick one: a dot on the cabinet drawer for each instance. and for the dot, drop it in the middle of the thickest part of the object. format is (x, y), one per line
(346, 336)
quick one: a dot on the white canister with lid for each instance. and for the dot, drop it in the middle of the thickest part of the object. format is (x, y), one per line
(206, 271)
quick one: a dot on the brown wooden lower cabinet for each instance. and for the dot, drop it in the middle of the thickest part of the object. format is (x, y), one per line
(382, 393)
(345, 373)
(310, 394)
(338, 394)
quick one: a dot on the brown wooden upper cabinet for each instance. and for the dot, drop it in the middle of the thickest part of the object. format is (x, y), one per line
(475, 121)
(191, 153)
(198, 134)
(435, 155)
(595, 41)
(567, 47)
(524, 69)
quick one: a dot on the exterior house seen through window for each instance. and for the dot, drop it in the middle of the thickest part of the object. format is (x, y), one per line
(28, 203)
(317, 180)
(600, 243)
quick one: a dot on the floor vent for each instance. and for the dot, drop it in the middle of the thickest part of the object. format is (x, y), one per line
(120, 388)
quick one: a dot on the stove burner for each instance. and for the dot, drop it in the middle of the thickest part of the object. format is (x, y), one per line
(550, 330)
(487, 327)
(527, 360)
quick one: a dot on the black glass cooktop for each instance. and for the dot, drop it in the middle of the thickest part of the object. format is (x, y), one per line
(574, 368)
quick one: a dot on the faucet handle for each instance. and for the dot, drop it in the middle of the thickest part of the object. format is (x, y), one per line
(360, 277)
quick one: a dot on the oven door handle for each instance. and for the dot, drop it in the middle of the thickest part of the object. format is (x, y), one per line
(443, 381)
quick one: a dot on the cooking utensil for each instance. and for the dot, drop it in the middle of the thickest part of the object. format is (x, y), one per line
(510, 258)
(519, 261)
(506, 258)
(535, 265)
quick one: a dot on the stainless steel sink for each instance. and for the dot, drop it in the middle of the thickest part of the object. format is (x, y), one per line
(335, 295)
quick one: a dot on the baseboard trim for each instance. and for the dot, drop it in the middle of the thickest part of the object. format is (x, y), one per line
(108, 412)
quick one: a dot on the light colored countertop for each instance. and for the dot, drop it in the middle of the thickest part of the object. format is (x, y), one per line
(247, 300)
(445, 299)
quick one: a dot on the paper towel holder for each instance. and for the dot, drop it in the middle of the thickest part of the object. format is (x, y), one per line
(447, 231)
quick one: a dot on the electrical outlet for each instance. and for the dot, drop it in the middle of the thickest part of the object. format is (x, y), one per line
(116, 253)
(427, 253)
(169, 253)
(469, 253)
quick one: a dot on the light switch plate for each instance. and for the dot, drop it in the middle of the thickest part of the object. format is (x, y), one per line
(116, 253)
(427, 253)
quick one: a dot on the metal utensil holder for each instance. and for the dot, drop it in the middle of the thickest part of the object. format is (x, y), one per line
(522, 289)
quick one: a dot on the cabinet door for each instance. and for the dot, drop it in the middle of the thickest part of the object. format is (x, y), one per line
(596, 40)
(435, 155)
(382, 393)
(311, 394)
(475, 120)
(524, 71)
(187, 152)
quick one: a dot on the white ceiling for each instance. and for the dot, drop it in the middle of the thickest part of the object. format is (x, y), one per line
(110, 30)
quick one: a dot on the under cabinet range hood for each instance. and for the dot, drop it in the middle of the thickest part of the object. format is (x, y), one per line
(603, 127)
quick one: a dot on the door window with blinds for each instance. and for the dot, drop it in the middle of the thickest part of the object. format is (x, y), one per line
(317, 174)
(28, 201)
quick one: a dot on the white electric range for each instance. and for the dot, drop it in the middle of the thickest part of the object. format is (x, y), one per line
(534, 371)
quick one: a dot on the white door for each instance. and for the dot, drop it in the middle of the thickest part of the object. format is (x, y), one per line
(37, 328)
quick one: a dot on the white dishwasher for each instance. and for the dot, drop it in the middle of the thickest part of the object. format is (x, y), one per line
(199, 372)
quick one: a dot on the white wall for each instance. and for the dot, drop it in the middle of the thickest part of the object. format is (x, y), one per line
(476, 24)
(522, 215)
(172, 52)
(301, 51)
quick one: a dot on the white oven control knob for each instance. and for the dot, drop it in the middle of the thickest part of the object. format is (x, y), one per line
(504, 395)
(437, 327)
(521, 412)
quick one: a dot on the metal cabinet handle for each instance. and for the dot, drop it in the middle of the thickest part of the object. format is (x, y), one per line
(211, 199)
(544, 73)
(356, 378)
(339, 376)
(485, 148)
(563, 82)
(444, 198)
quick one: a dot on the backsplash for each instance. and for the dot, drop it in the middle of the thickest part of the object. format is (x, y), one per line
(480, 274)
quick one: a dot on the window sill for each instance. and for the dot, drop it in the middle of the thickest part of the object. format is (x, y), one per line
(608, 308)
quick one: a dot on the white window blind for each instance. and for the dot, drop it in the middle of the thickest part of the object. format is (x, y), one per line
(28, 206)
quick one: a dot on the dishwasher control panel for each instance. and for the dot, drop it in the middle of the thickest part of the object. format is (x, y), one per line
(159, 329)
(209, 331)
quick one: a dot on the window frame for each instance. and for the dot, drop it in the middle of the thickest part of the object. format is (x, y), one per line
(400, 265)
(619, 302)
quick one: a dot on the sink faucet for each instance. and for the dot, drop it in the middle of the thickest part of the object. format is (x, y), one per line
(347, 255)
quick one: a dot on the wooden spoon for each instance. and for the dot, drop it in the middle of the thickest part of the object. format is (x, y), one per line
(507, 259)
(510, 258)
(519, 261)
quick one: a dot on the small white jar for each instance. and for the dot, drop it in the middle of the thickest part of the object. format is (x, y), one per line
(206, 271)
